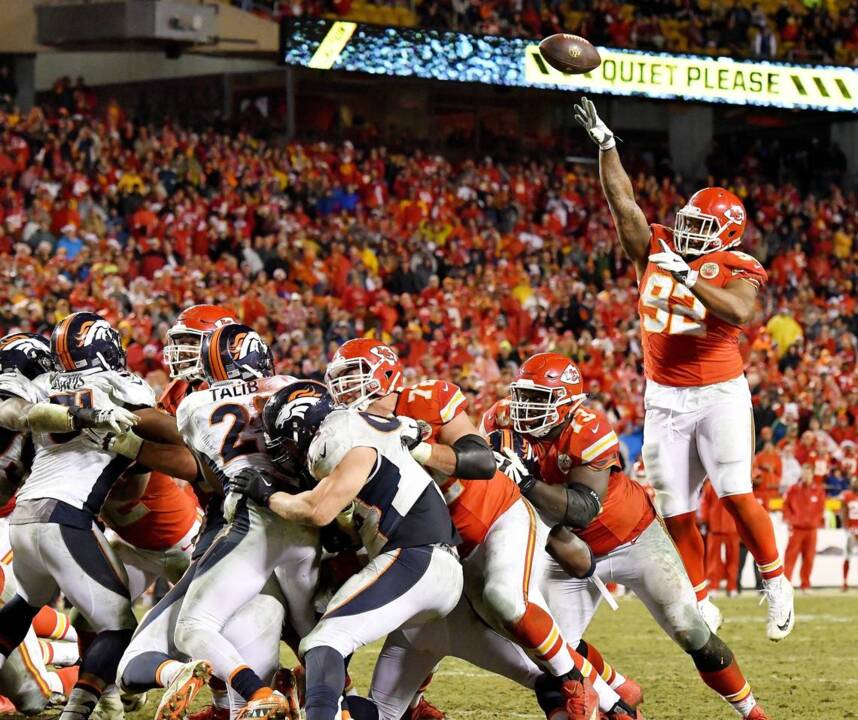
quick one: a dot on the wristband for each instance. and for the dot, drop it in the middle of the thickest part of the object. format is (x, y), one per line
(47, 417)
(526, 485)
(126, 444)
(422, 453)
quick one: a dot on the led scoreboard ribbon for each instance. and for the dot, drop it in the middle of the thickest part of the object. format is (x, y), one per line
(446, 55)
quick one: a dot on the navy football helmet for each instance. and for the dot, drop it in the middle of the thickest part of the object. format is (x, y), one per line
(290, 419)
(26, 353)
(235, 352)
(86, 341)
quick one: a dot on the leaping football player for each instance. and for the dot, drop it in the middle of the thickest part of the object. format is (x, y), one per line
(697, 290)
(575, 479)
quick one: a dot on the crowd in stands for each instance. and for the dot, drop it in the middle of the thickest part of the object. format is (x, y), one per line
(465, 267)
(802, 31)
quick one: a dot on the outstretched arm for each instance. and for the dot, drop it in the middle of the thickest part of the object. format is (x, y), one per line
(631, 224)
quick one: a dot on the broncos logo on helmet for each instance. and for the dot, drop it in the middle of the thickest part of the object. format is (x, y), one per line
(235, 352)
(290, 419)
(27, 354)
(84, 341)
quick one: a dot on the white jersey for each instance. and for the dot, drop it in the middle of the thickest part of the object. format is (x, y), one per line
(399, 505)
(222, 425)
(67, 466)
(16, 448)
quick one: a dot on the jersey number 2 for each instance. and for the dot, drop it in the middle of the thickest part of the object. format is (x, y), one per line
(233, 446)
(674, 318)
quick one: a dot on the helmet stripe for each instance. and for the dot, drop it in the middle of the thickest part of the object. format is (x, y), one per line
(215, 359)
(62, 343)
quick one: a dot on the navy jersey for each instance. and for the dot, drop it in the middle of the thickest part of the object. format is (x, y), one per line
(399, 505)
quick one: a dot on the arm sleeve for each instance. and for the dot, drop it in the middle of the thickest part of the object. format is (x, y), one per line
(474, 458)
(582, 505)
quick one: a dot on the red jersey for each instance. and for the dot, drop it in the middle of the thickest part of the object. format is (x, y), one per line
(165, 513)
(589, 439)
(474, 504)
(804, 506)
(684, 344)
(850, 502)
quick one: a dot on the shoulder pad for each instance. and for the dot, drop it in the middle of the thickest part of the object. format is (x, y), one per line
(337, 435)
(592, 438)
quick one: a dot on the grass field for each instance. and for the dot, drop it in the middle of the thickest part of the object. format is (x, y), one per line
(813, 675)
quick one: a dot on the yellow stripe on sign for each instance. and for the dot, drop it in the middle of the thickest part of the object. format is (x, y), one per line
(332, 45)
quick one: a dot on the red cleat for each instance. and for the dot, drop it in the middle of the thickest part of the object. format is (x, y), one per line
(6, 705)
(630, 693)
(210, 712)
(757, 713)
(424, 711)
(582, 701)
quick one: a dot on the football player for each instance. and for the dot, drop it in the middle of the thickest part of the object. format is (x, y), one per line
(24, 679)
(502, 538)
(696, 292)
(577, 481)
(57, 544)
(360, 467)
(153, 533)
(250, 630)
(223, 427)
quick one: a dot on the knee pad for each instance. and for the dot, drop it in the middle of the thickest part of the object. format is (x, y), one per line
(713, 656)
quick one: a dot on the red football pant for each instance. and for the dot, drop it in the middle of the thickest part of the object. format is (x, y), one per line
(689, 543)
(802, 541)
(718, 569)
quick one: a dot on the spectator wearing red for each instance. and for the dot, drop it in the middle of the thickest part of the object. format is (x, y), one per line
(722, 541)
(804, 506)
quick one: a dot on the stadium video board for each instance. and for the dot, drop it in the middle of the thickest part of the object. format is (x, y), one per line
(447, 55)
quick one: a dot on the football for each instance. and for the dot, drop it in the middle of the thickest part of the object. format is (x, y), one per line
(569, 53)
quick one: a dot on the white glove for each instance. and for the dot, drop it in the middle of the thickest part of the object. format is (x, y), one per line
(511, 465)
(588, 118)
(672, 262)
(412, 433)
(116, 419)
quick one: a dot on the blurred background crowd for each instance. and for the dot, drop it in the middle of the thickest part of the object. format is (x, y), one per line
(799, 30)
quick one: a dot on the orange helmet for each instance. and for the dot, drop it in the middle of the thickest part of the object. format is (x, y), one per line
(363, 370)
(182, 351)
(713, 219)
(547, 388)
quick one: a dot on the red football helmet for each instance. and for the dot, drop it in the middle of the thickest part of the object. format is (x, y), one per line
(713, 219)
(547, 387)
(182, 351)
(363, 370)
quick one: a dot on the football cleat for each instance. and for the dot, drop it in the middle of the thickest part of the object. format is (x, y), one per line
(273, 706)
(779, 594)
(711, 614)
(630, 693)
(582, 701)
(210, 712)
(757, 713)
(132, 703)
(289, 684)
(424, 710)
(109, 706)
(180, 693)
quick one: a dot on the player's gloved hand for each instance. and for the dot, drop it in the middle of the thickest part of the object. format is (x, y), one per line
(413, 433)
(673, 263)
(511, 465)
(115, 419)
(254, 484)
(587, 117)
(126, 444)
